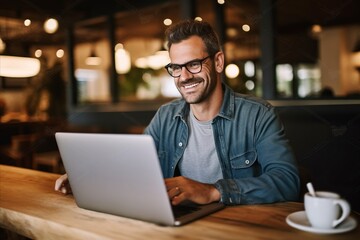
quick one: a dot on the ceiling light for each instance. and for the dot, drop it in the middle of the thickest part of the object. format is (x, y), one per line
(250, 85)
(232, 32)
(59, 53)
(232, 70)
(158, 60)
(51, 25)
(93, 59)
(122, 61)
(19, 67)
(27, 22)
(38, 53)
(316, 28)
(167, 22)
(249, 68)
(246, 28)
(141, 62)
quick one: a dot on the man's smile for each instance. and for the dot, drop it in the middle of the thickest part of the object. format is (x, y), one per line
(188, 86)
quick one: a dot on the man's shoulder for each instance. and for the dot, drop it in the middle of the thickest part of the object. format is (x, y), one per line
(247, 99)
(244, 100)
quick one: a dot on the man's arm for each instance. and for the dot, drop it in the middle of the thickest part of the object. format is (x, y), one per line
(278, 179)
(181, 189)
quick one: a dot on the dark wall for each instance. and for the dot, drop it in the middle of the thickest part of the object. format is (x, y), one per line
(326, 143)
(115, 122)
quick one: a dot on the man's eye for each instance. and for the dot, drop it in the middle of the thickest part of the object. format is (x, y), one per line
(193, 64)
(175, 67)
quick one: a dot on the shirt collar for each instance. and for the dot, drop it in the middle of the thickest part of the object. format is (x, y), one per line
(228, 105)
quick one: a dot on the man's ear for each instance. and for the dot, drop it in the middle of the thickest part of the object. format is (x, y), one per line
(219, 62)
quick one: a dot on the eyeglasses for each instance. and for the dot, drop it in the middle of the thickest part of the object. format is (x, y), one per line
(193, 66)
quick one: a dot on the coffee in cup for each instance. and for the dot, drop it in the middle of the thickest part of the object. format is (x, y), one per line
(326, 210)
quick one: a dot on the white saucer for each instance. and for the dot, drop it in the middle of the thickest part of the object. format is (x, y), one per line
(299, 220)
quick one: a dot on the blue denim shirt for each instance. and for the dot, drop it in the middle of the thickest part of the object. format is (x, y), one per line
(257, 163)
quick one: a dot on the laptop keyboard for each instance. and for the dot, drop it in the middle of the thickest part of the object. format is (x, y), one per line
(182, 210)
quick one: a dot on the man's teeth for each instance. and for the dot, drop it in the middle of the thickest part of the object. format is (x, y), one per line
(190, 86)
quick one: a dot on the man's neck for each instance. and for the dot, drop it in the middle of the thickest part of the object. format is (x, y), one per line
(209, 108)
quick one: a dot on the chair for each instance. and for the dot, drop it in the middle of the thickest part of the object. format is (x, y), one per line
(20, 150)
(49, 159)
(46, 154)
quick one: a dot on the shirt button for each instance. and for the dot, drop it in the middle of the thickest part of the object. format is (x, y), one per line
(247, 161)
(180, 144)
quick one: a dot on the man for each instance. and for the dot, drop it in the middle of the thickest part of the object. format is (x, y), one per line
(214, 144)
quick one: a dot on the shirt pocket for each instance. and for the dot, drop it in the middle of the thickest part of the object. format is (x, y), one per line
(244, 160)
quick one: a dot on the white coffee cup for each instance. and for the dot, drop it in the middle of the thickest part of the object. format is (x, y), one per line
(326, 210)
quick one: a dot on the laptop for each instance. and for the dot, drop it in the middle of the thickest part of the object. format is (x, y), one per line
(120, 174)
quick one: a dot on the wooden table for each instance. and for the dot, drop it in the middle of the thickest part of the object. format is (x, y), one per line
(30, 206)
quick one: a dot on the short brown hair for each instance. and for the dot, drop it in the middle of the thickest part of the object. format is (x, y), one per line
(187, 28)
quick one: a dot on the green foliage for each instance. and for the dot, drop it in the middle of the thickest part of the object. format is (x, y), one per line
(129, 82)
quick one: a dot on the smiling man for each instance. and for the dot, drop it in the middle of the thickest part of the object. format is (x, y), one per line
(214, 144)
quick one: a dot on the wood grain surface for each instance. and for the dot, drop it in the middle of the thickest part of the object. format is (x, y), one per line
(30, 206)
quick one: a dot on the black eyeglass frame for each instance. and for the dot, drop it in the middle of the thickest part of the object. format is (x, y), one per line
(185, 65)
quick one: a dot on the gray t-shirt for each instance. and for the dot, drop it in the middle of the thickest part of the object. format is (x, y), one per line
(200, 161)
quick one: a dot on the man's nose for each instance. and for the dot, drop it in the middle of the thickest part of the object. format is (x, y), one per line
(185, 74)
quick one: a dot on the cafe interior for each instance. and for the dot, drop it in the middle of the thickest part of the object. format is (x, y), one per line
(98, 66)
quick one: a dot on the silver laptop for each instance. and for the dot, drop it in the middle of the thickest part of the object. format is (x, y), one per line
(120, 174)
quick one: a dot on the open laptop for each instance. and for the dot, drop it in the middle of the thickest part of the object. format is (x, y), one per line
(120, 174)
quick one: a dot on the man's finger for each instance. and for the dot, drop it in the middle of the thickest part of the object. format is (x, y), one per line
(59, 182)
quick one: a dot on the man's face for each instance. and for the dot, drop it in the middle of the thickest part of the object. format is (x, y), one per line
(194, 87)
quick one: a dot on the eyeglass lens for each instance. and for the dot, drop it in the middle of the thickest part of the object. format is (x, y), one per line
(193, 67)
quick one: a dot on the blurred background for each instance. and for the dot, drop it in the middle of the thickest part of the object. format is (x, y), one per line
(98, 66)
(302, 49)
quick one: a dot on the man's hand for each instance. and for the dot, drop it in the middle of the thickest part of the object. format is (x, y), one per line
(180, 189)
(62, 184)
